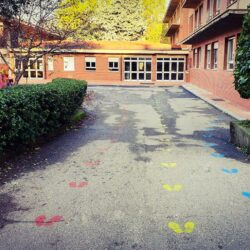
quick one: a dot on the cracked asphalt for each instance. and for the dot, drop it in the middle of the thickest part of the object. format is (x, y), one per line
(149, 168)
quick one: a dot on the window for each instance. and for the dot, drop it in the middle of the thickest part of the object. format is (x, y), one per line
(230, 53)
(215, 55)
(69, 63)
(170, 69)
(208, 56)
(114, 64)
(200, 15)
(191, 26)
(137, 68)
(210, 8)
(217, 7)
(34, 67)
(198, 57)
(50, 63)
(196, 19)
(195, 58)
(90, 63)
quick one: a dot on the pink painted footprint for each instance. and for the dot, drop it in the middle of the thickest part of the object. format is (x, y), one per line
(41, 221)
(80, 185)
(91, 163)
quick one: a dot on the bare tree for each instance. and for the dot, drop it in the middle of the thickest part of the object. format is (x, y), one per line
(26, 33)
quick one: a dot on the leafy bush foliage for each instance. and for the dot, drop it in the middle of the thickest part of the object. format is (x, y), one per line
(242, 69)
(30, 111)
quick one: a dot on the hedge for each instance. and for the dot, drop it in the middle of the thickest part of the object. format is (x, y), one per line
(242, 67)
(28, 112)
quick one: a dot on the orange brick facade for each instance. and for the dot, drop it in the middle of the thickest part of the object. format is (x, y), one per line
(210, 22)
(102, 74)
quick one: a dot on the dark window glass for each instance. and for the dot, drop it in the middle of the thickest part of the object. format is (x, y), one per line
(166, 76)
(180, 77)
(181, 66)
(159, 66)
(110, 64)
(33, 74)
(166, 66)
(148, 66)
(148, 76)
(134, 66)
(141, 76)
(159, 76)
(116, 64)
(25, 74)
(127, 76)
(127, 66)
(173, 77)
(40, 74)
(88, 64)
(174, 66)
(134, 76)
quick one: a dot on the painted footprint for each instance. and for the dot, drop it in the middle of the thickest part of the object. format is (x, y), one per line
(231, 171)
(207, 136)
(80, 185)
(91, 163)
(189, 227)
(175, 188)
(210, 144)
(41, 221)
(217, 155)
(169, 164)
(246, 194)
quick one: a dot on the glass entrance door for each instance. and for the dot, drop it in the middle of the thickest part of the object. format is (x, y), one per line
(170, 69)
(137, 69)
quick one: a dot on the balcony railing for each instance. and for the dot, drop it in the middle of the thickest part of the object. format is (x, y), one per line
(173, 27)
(190, 3)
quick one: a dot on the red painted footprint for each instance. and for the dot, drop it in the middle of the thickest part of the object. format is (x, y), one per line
(80, 185)
(41, 221)
(91, 163)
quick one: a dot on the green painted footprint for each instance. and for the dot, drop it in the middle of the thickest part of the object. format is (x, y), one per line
(189, 227)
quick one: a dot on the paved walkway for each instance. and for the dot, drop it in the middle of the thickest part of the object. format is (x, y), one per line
(151, 168)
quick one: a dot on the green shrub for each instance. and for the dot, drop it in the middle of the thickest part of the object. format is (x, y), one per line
(242, 68)
(30, 111)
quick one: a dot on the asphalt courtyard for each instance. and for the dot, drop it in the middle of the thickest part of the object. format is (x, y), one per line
(150, 168)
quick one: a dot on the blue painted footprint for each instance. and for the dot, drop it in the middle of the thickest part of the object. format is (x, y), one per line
(207, 136)
(231, 171)
(217, 155)
(210, 144)
(246, 194)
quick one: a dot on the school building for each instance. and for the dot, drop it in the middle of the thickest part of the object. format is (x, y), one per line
(210, 29)
(116, 62)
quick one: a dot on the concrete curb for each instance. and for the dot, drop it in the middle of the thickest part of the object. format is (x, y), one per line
(213, 103)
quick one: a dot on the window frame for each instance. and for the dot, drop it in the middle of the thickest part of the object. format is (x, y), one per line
(215, 47)
(28, 72)
(112, 61)
(91, 60)
(208, 58)
(170, 72)
(50, 63)
(228, 61)
(136, 61)
(72, 68)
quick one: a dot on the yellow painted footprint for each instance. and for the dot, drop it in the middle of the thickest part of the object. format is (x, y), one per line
(175, 188)
(189, 227)
(169, 164)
